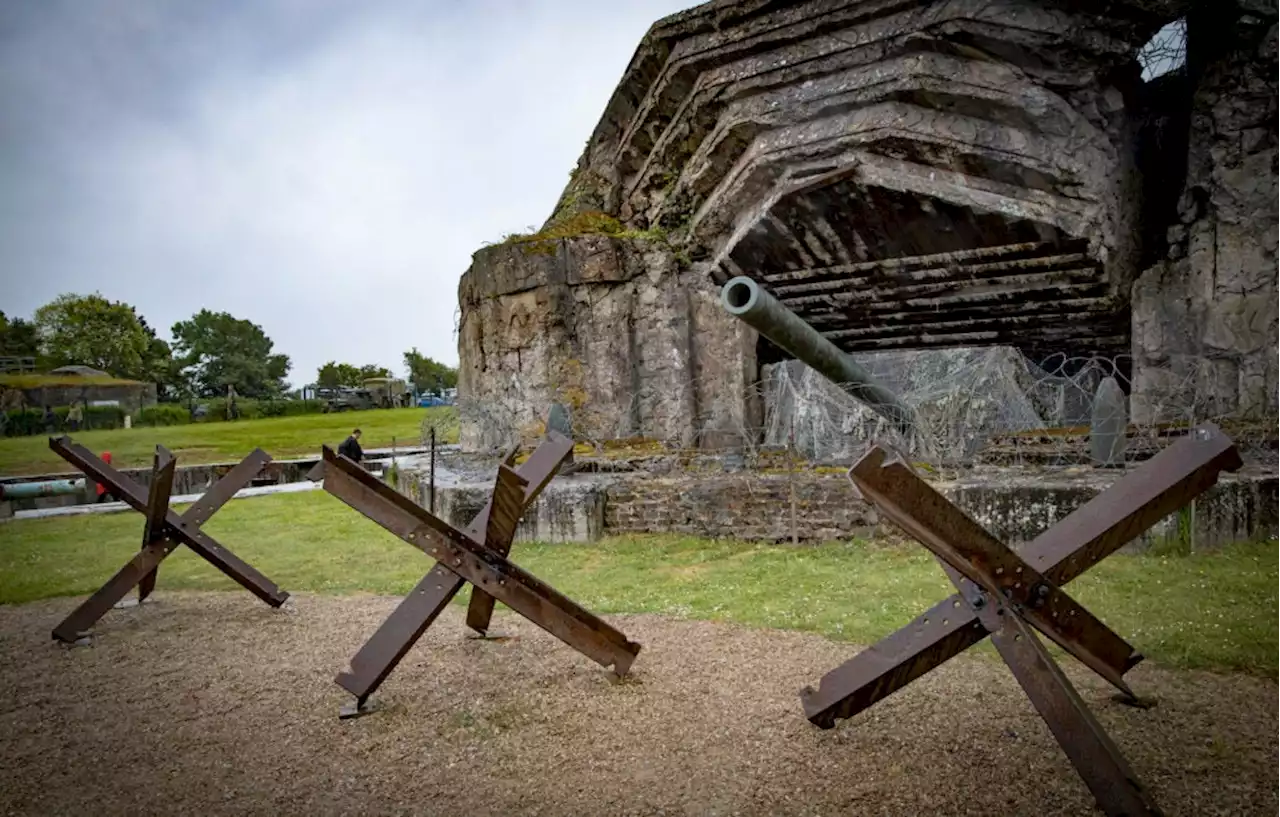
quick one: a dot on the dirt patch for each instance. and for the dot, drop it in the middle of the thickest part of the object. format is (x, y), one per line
(215, 704)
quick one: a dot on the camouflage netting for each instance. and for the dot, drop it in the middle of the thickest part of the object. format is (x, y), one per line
(962, 397)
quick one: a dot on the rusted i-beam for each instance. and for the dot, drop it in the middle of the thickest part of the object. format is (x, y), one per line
(969, 550)
(1091, 751)
(1008, 597)
(476, 556)
(499, 530)
(1097, 529)
(165, 530)
(380, 655)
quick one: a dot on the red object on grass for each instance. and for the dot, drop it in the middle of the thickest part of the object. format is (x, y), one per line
(106, 457)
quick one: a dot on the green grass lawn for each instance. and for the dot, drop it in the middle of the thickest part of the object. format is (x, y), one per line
(281, 437)
(1211, 610)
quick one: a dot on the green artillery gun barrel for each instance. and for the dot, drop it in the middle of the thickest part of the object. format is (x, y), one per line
(745, 299)
(32, 490)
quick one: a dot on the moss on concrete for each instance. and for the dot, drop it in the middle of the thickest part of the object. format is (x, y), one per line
(587, 222)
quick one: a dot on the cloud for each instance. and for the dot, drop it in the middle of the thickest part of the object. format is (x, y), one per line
(325, 170)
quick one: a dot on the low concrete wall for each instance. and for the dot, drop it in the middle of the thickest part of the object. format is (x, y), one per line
(1014, 507)
(742, 506)
(1236, 509)
(570, 509)
(187, 479)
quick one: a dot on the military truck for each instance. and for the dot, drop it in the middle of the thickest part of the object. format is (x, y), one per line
(345, 399)
(388, 392)
(375, 392)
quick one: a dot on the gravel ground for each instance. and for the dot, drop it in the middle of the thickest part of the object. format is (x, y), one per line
(210, 703)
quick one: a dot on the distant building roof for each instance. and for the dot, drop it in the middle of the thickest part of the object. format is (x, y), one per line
(86, 371)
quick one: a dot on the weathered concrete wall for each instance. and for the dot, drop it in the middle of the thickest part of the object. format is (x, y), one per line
(745, 506)
(753, 506)
(570, 509)
(608, 326)
(1019, 509)
(1205, 322)
(757, 507)
(869, 161)
(903, 175)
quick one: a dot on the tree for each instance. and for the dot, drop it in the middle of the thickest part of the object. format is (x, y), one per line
(371, 370)
(109, 335)
(332, 375)
(159, 366)
(18, 338)
(216, 350)
(427, 375)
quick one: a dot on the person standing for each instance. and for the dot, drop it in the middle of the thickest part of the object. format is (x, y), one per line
(350, 447)
(75, 416)
(50, 421)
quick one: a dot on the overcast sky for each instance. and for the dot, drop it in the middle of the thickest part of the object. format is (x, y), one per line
(324, 169)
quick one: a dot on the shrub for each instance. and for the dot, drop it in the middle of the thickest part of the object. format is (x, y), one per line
(289, 408)
(23, 422)
(255, 409)
(30, 421)
(95, 417)
(217, 407)
(216, 411)
(248, 409)
(164, 414)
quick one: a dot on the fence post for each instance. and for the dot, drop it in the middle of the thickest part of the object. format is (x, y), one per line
(791, 479)
(431, 480)
(1191, 533)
